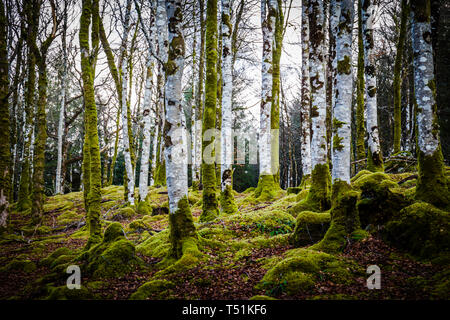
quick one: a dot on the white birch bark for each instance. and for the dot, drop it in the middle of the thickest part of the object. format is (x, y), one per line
(58, 182)
(264, 143)
(175, 140)
(147, 119)
(428, 140)
(306, 92)
(226, 141)
(342, 108)
(369, 8)
(125, 137)
(317, 76)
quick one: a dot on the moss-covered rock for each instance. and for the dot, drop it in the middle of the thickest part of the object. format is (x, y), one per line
(381, 198)
(124, 214)
(301, 268)
(156, 246)
(26, 266)
(421, 229)
(155, 289)
(113, 257)
(310, 227)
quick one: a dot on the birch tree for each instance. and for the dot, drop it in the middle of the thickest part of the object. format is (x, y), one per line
(266, 183)
(306, 101)
(124, 105)
(59, 188)
(374, 156)
(182, 228)
(227, 146)
(343, 104)
(360, 121)
(431, 184)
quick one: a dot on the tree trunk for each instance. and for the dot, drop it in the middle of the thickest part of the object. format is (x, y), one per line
(90, 10)
(344, 91)
(432, 183)
(360, 121)
(374, 156)
(175, 152)
(210, 203)
(306, 96)
(227, 202)
(5, 156)
(398, 79)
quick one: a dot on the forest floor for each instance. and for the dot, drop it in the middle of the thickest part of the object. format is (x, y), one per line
(237, 252)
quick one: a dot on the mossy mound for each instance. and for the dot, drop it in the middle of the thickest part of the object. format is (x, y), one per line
(124, 214)
(64, 293)
(293, 190)
(344, 226)
(310, 227)
(421, 229)
(68, 217)
(113, 257)
(58, 203)
(156, 246)
(301, 268)
(138, 226)
(157, 289)
(143, 208)
(267, 188)
(270, 221)
(381, 198)
(26, 266)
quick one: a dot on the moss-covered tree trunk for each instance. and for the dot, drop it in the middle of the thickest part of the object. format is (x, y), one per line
(175, 143)
(319, 194)
(432, 184)
(360, 120)
(306, 97)
(398, 79)
(267, 183)
(344, 91)
(5, 156)
(227, 202)
(90, 13)
(210, 204)
(196, 165)
(374, 156)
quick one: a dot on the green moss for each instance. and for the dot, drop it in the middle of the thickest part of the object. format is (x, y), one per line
(432, 184)
(68, 217)
(227, 202)
(421, 229)
(155, 289)
(64, 293)
(144, 208)
(156, 246)
(293, 190)
(302, 195)
(267, 188)
(310, 227)
(26, 266)
(381, 198)
(301, 268)
(113, 231)
(262, 297)
(124, 214)
(374, 161)
(344, 66)
(344, 222)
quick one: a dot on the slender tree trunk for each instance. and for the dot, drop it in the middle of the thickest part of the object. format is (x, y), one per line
(175, 152)
(129, 190)
(227, 198)
(344, 91)
(320, 176)
(92, 154)
(5, 156)
(360, 121)
(398, 79)
(59, 188)
(306, 97)
(432, 184)
(210, 203)
(196, 167)
(145, 159)
(374, 157)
